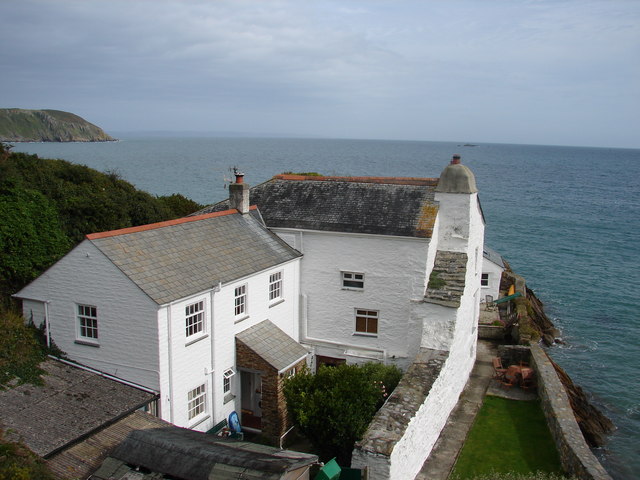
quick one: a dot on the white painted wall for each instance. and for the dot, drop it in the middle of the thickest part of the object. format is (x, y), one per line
(186, 365)
(394, 269)
(444, 328)
(495, 274)
(128, 347)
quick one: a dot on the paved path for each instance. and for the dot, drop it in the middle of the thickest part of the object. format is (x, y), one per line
(445, 452)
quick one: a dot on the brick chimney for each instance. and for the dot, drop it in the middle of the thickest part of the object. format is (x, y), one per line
(239, 193)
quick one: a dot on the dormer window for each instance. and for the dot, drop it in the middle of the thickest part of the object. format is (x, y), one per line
(353, 281)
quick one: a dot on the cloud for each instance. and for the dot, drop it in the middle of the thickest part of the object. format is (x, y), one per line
(380, 68)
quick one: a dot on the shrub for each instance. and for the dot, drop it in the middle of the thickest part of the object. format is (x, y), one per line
(334, 407)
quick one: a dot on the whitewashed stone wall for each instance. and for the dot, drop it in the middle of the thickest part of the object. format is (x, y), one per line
(394, 269)
(128, 345)
(404, 431)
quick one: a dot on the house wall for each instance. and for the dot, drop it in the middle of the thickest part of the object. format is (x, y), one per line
(127, 346)
(394, 269)
(495, 273)
(186, 364)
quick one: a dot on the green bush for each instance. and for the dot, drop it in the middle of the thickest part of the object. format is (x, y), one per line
(48, 206)
(334, 407)
(17, 462)
(20, 351)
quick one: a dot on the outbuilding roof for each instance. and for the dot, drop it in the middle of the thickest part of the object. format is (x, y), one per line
(175, 259)
(396, 206)
(273, 345)
(493, 256)
(184, 453)
(71, 403)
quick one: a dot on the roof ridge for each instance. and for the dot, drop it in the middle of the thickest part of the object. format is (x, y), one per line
(427, 181)
(167, 223)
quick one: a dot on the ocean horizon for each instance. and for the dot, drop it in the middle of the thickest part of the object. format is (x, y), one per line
(566, 218)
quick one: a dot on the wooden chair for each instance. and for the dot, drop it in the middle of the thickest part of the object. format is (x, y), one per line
(506, 382)
(498, 369)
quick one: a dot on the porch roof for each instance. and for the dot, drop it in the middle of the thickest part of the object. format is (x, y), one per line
(273, 345)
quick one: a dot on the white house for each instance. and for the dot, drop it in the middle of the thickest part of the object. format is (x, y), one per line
(391, 269)
(492, 268)
(369, 246)
(391, 272)
(161, 306)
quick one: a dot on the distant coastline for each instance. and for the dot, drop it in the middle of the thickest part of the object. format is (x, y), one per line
(20, 125)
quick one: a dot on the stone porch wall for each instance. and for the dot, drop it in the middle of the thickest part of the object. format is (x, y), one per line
(575, 455)
(275, 418)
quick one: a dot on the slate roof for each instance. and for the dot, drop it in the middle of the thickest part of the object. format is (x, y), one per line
(175, 259)
(447, 279)
(71, 403)
(493, 256)
(273, 345)
(184, 453)
(375, 205)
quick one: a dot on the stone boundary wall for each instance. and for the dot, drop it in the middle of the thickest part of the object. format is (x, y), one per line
(404, 430)
(575, 455)
(491, 332)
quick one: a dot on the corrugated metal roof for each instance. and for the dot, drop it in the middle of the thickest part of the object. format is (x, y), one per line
(272, 345)
(82, 459)
(172, 260)
(374, 205)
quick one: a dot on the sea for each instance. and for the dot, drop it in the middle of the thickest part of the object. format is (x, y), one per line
(566, 218)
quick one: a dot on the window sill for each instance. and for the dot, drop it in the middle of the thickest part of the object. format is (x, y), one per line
(87, 343)
(240, 319)
(198, 422)
(196, 340)
(353, 289)
(364, 334)
(277, 302)
(228, 397)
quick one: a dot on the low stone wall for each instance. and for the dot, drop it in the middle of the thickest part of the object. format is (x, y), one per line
(575, 455)
(491, 332)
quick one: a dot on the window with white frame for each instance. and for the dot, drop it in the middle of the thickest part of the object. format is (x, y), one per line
(226, 380)
(353, 280)
(484, 280)
(367, 321)
(194, 315)
(197, 401)
(88, 323)
(275, 286)
(241, 300)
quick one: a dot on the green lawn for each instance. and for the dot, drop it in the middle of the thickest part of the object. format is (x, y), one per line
(508, 436)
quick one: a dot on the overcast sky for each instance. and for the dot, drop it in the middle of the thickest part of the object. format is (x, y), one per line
(542, 72)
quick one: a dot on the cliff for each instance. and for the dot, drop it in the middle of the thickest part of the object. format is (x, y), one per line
(19, 125)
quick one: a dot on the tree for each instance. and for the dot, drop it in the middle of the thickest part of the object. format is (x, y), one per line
(31, 237)
(334, 407)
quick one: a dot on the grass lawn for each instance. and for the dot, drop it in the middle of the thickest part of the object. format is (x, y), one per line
(508, 436)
